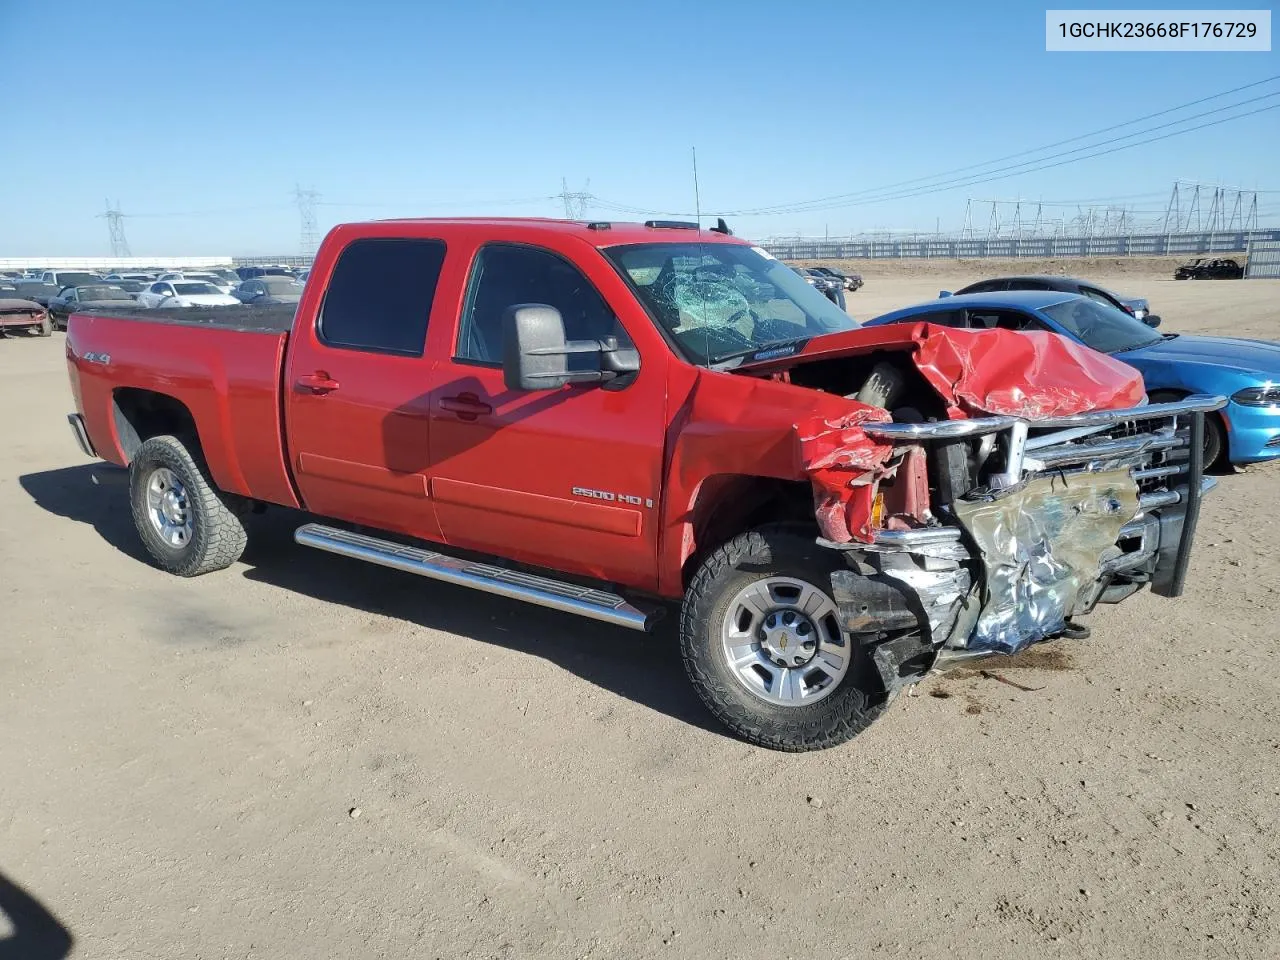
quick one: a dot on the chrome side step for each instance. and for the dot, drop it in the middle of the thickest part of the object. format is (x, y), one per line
(545, 592)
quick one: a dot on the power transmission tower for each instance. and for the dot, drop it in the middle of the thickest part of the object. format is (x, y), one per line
(1215, 209)
(1194, 210)
(115, 229)
(1172, 210)
(576, 201)
(308, 234)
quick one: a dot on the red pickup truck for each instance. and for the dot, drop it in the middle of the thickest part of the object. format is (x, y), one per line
(619, 419)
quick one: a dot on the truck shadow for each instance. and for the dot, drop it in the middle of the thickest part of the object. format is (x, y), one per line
(36, 933)
(646, 669)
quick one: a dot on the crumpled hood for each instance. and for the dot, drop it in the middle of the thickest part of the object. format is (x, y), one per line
(1237, 353)
(994, 372)
(976, 373)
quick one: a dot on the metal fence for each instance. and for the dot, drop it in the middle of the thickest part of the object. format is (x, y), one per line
(111, 264)
(285, 261)
(1264, 260)
(1134, 245)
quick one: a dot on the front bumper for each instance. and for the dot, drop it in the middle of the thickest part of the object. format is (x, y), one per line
(1253, 433)
(1089, 510)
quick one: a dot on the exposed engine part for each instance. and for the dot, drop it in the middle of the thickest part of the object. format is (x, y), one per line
(882, 387)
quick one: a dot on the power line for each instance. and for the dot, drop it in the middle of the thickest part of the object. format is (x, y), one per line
(973, 181)
(403, 204)
(223, 212)
(1011, 170)
(1060, 163)
(1084, 136)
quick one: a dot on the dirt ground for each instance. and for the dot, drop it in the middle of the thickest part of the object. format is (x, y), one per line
(181, 759)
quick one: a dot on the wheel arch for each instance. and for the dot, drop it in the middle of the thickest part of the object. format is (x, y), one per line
(728, 504)
(138, 414)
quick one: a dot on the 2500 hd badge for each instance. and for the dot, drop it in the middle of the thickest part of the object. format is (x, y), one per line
(612, 497)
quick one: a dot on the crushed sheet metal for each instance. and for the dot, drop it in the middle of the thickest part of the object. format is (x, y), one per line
(1042, 549)
(843, 463)
(1024, 374)
(991, 372)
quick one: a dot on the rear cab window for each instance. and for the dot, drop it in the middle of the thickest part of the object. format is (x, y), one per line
(379, 297)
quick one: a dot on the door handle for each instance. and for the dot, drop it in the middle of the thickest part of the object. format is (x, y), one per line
(317, 383)
(466, 405)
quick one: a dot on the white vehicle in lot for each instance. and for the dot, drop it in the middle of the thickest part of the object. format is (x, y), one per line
(223, 285)
(184, 293)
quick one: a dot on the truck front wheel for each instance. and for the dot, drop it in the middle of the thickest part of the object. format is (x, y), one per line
(185, 522)
(762, 643)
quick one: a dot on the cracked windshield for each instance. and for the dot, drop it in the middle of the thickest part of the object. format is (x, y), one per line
(720, 302)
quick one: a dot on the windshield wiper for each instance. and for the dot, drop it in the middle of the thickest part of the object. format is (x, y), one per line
(1133, 346)
(764, 351)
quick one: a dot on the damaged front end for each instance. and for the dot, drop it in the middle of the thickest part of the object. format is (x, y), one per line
(25, 314)
(982, 536)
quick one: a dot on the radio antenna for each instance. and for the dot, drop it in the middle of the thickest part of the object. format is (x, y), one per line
(697, 202)
(700, 287)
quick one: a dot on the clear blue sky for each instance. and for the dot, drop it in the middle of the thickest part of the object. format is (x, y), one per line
(426, 108)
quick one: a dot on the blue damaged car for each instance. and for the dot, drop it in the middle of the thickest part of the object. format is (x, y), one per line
(1173, 365)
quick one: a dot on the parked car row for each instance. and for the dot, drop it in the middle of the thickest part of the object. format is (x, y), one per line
(824, 283)
(172, 290)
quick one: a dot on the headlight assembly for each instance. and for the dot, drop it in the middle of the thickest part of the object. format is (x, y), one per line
(1267, 395)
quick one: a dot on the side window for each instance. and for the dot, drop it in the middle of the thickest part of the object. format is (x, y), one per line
(943, 318)
(1098, 295)
(506, 274)
(379, 297)
(1002, 320)
(987, 286)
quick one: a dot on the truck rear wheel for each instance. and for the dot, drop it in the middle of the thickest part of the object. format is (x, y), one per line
(762, 643)
(187, 525)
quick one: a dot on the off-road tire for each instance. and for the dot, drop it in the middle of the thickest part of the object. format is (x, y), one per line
(218, 535)
(769, 551)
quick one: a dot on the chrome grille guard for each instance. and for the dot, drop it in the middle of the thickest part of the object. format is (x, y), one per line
(1131, 438)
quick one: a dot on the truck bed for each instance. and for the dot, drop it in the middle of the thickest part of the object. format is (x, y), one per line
(270, 318)
(223, 364)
